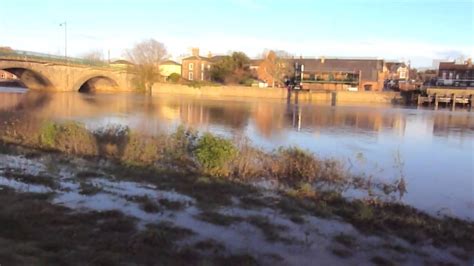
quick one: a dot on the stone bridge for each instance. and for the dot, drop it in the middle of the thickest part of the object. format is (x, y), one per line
(63, 76)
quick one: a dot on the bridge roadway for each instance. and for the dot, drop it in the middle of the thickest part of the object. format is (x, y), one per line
(63, 76)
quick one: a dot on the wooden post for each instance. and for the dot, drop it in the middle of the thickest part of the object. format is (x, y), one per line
(419, 99)
(470, 102)
(453, 99)
(436, 101)
(288, 96)
(297, 93)
(333, 98)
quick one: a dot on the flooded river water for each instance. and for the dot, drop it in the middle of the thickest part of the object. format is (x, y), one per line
(434, 150)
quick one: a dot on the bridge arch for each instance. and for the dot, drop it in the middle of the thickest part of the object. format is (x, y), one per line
(96, 82)
(30, 78)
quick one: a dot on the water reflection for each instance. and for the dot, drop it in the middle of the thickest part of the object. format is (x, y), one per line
(268, 117)
(437, 146)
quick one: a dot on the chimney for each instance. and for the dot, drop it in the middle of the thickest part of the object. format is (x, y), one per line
(469, 62)
(322, 59)
(195, 51)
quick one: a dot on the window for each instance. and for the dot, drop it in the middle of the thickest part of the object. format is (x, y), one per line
(3, 76)
(191, 66)
(191, 76)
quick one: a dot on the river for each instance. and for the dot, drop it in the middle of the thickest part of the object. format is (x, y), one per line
(435, 148)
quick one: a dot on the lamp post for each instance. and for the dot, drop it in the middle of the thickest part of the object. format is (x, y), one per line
(65, 51)
(65, 38)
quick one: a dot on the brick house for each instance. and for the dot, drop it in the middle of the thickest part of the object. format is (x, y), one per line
(341, 74)
(196, 67)
(396, 71)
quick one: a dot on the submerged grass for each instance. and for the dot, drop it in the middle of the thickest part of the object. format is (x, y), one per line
(271, 231)
(43, 180)
(36, 232)
(218, 218)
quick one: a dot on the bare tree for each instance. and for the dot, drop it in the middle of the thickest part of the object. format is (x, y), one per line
(274, 66)
(146, 57)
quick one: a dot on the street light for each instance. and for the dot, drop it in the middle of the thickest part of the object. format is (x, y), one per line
(65, 38)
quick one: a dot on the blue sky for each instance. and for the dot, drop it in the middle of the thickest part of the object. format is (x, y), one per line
(418, 31)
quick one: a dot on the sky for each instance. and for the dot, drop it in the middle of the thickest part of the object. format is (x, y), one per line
(408, 30)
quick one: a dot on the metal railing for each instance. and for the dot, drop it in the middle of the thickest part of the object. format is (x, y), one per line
(42, 57)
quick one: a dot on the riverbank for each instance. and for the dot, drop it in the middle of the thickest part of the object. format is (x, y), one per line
(277, 93)
(223, 202)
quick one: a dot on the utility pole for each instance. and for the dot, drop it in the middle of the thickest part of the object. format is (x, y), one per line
(65, 51)
(65, 38)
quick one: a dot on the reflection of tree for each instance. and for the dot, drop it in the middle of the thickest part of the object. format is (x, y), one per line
(268, 118)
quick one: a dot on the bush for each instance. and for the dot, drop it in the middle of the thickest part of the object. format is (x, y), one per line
(247, 82)
(174, 77)
(292, 166)
(69, 137)
(142, 150)
(214, 154)
(48, 134)
(180, 146)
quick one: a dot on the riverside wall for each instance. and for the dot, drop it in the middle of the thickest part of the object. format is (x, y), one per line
(276, 93)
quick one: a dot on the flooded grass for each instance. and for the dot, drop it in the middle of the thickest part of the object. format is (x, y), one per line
(346, 240)
(380, 261)
(36, 232)
(218, 218)
(88, 189)
(342, 253)
(271, 231)
(171, 204)
(47, 181)
(210, 245)
(146, 203)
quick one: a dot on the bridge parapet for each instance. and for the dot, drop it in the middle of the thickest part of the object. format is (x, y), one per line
(48, 58)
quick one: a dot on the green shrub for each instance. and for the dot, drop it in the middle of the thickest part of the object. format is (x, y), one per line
(48, 134)
(69, 137)
(174, 77)
(247, 82)
(214, 154)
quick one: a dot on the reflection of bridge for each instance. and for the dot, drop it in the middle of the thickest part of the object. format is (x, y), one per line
(41, 73)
